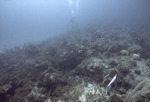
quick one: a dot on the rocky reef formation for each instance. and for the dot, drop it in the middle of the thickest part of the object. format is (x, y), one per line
(78, 67)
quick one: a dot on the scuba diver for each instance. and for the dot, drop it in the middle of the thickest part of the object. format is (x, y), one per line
(72, 21)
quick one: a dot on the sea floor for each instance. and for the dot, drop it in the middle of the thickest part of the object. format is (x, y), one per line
(78, 66)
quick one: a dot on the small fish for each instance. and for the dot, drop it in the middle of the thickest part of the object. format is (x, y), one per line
(110, 83)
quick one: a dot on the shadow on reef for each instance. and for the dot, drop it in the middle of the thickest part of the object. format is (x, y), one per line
(78, 67)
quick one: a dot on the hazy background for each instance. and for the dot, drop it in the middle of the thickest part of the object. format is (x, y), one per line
(34, 20)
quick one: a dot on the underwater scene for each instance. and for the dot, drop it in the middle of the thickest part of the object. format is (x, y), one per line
(74, 51)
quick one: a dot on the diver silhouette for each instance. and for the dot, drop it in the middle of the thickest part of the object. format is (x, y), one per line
(72, 21)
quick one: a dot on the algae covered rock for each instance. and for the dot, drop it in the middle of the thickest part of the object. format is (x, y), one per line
(140, 93)
(29, 92)
(136, 56)
(124, 52)
(78, 67)
(92, 67)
